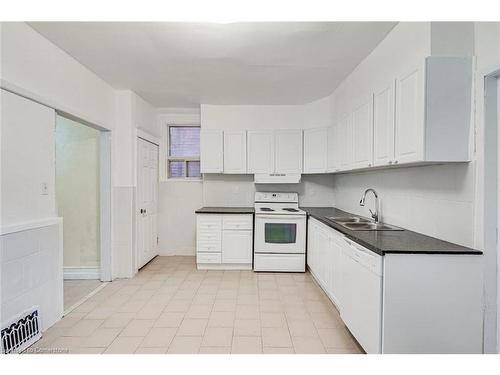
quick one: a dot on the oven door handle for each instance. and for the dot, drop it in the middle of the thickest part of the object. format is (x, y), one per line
(279, 216)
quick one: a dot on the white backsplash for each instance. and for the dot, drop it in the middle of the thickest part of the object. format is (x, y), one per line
(434, 200)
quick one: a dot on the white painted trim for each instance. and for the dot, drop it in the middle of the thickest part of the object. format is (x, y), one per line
(81, 273)
(485, 211)
(74, 306)
(105, 204)
(15, 89)
(29, 225)
(148, 136)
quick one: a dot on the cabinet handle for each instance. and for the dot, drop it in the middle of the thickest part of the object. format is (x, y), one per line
(390, 161)
(395, 162)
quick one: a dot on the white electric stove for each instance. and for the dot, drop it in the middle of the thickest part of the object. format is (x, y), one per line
(280, 233)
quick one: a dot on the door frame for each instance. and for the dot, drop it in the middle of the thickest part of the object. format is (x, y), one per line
(144, 135)
(105, 197)
(489, 204)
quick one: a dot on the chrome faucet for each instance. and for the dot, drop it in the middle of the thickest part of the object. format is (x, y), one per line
(362, 203)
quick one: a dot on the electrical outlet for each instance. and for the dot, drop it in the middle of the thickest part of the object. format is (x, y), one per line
(45, 188)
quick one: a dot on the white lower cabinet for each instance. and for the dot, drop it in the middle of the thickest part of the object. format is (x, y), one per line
(224, 241)
(323, 259)
(400, 303)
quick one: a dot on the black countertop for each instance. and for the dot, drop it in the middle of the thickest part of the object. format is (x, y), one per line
(389, 242)
(225, 210)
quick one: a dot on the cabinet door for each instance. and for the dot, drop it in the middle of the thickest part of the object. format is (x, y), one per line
(333, 151)
(237, 246)
(211, 151)
(345, 140)
(383, 125)
(315, 150)
(362, 127)
(409, 117)
(323, 266)
(288, 145)
(336, 268)
(260, 151)
(311, 245)
(235, 152)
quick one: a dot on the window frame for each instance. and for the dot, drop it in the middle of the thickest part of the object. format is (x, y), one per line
(184, 159)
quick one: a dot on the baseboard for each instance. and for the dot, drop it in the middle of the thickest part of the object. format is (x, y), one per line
(82, 273)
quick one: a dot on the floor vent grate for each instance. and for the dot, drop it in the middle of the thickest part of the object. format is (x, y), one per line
(21, 333)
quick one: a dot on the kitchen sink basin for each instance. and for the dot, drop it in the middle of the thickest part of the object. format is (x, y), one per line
(369, 226)
(349, 219)
(361, 224)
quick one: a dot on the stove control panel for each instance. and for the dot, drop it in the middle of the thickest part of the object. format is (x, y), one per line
(276, 197)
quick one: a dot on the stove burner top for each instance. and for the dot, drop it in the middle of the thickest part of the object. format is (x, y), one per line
(291, 209)
(267, 209)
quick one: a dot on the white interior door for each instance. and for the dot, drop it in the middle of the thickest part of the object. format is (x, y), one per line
(147, 201)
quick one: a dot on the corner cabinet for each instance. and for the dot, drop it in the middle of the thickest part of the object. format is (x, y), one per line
(211, 151)
(424, 114)
(224, 241)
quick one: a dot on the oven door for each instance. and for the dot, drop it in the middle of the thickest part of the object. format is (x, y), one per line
(280, 234)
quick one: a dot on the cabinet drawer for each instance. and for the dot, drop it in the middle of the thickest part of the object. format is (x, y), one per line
(237, 222)
(208, 247)
(208, 258)
(208, 235)
(208, 222)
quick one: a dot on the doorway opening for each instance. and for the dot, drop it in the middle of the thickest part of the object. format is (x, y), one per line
(79, 197)
(491, 207)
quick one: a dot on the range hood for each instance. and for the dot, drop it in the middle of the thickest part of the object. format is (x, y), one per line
(277, 178)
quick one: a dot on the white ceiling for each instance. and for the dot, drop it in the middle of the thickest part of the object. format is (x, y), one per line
(185, 64)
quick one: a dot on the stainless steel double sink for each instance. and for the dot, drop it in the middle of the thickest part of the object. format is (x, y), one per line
(361, 224)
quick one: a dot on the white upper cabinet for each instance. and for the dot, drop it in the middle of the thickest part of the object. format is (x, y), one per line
(345, 142)
(211, 151)
(409, 117)
(362, 129)
(433, 111)
(260, 151)
(383, 125)
(235, 152)
(315, 150)
(333, 149)
(288, 151)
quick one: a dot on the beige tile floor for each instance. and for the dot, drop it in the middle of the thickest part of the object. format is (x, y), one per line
(171, 307)
(76, 290)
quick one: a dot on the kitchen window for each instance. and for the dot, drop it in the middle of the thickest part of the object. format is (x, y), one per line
(183, 154)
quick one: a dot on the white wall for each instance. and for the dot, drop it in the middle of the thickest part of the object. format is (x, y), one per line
(131, 113)
(435, 200)
(31, 273)
(239, 190)
(28, 155)
(252, 116)
(77, 191)
(31, 234)
(42, 71)
(177, 199)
